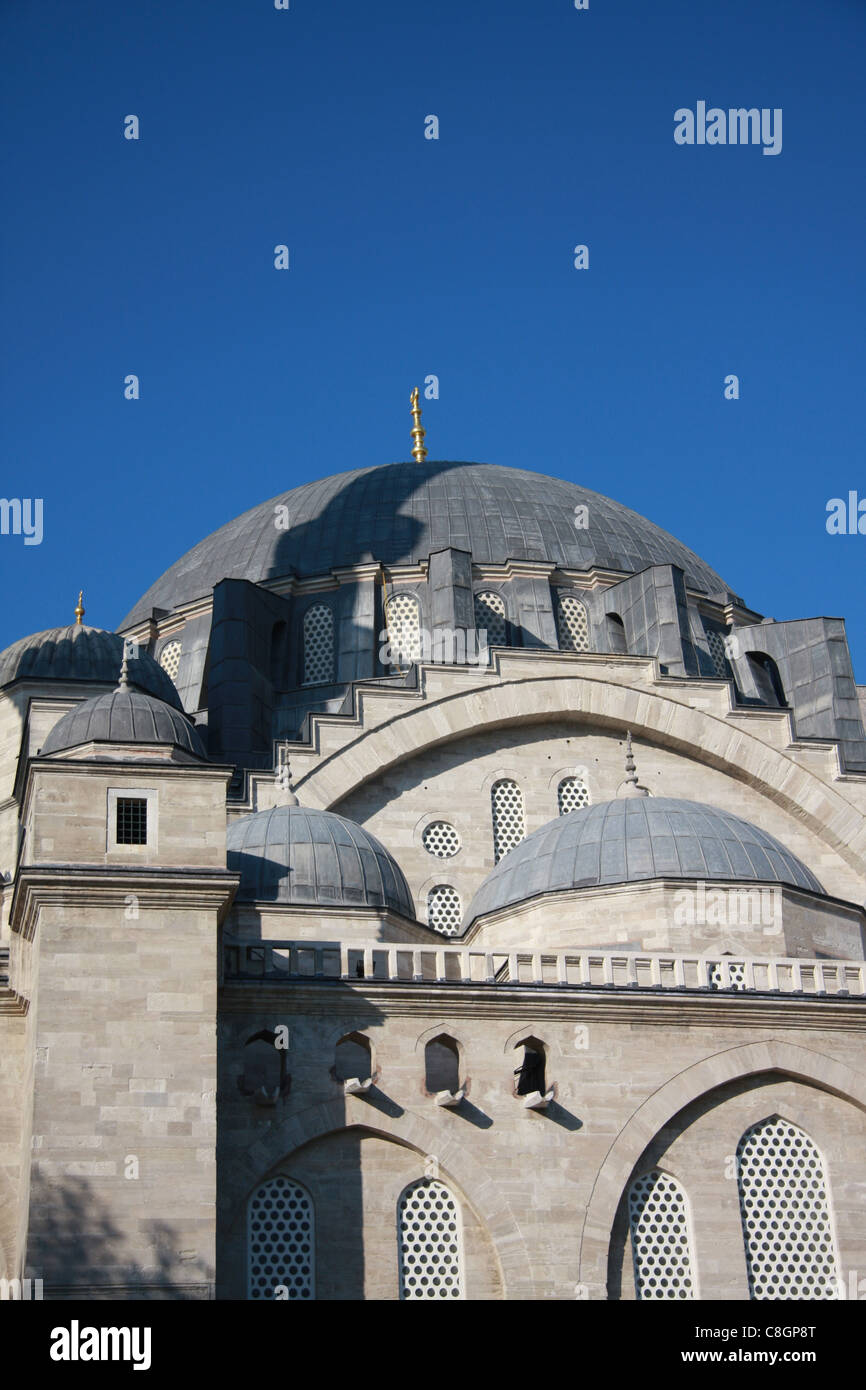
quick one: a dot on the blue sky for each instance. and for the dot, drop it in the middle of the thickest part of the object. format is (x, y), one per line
(411, 257)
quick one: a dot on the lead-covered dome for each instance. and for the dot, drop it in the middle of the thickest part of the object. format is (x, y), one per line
(292, 854)
(79, 653)
(124, 716)
(399, 513)
(634, 839)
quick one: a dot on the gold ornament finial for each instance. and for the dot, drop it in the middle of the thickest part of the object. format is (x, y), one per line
(79, 608)
(419, 453)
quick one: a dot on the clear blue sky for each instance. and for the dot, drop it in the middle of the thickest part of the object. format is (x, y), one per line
(411, 257)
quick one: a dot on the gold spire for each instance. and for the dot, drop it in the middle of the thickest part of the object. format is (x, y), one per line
(419, 453)
(79, 609)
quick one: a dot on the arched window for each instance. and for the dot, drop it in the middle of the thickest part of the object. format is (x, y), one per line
(767, 679)
(442, 1065)
(280, 1242)
(403, 621)
(615, 630)
(660, 1243)
(169, 658)
(509, 818)
(785, 1211)
(353, 1058)
(532, 1072)
(319, 645)
(444, 910)
(572, 794)
(573, 624)
(490, 615)
(428, 1227)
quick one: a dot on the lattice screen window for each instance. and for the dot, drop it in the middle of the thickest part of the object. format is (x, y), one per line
(660, 1238)
(441, 839)
(444, 912)
(716, 644)
(280, 1241)
(573, 624)
(490, 615)
(403, 620)
(318, 645)
(784, 1207)
(736, 975)
(428, 1220)
(169, 658)
(572, 794)
(509, 820)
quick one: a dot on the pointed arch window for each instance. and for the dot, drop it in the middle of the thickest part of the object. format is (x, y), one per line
(280, 1242)
(660, 1243)
(785, 1211)
(430, 1241)
(319, 645)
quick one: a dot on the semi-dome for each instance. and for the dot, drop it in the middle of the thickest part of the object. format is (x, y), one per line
(292, 854)
(124, 716)
(80, 653)
(399, 513)
(634, 839)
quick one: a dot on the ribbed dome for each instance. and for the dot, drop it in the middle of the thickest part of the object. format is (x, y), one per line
(124, 716)
(292, 854)
(401, 512)
(79, 653)
(637, 838)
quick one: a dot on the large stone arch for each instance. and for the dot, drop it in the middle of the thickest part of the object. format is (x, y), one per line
(717, 742)
(737, 1062)
(330, 1117)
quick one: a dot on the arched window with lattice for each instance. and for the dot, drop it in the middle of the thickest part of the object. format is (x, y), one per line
(403, 621)
(430, 1240)
(785, 1211)
(572, 794)
(169, 658)
(319, 645)
(444, 910)
(660, 1242)
(573, 624)
(509, 817)
(490, 615)
(280, 1242)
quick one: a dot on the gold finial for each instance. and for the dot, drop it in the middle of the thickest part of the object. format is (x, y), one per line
(419, 453)
(79, 608)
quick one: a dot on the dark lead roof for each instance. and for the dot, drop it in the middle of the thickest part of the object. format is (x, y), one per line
(292, 854)
(399, 513)
(124, 716)
(638, 838)
(79, 653)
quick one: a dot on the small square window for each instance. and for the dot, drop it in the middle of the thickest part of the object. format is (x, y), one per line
(131, 821)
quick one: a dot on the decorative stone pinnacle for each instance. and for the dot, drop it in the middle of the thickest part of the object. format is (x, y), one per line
(419, 453)
(631, 786)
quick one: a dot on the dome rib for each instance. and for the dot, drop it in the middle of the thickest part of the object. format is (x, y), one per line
(79, 653)
(124, 716)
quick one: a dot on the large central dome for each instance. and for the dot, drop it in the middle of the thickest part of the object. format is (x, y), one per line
(399, 513)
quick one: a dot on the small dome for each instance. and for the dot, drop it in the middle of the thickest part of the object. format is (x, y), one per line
(631, 840)
(79, 653)
(292, 854)
(124, 716)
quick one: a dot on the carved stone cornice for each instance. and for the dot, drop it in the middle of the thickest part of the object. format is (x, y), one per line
(101, 886)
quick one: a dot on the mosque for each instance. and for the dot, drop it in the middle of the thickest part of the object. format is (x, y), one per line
(441, 886)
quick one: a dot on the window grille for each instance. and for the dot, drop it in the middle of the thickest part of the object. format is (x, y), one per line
(444, 912)
(784, 1207)
(318, 645)
(131, 821)
(169, 658)
(716, 644)
(429, 1231)
(280, 1241)
(403, 620)
(660, 1244)
(573, 624)
(736, 974)
(571, 795)
(441, 839)
(490, 615)
(509, 824)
